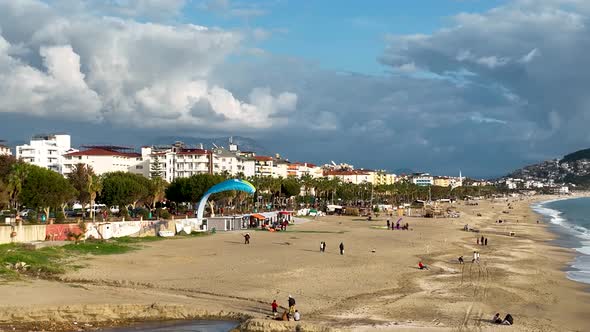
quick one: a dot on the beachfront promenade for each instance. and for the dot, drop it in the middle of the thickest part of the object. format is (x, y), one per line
(360, 290)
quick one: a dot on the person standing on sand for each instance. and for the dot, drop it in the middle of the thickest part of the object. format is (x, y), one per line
(274, 306)
(291, 305)
(247, 238)
(341, 248)
(461, 261)
(388, 223)
(474, 257)
(486, 242)
(482, 240)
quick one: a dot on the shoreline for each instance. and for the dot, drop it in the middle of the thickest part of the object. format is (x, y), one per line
(522, 275)
(565, 237)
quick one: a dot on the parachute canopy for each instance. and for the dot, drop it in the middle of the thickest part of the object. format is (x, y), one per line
(227, 185)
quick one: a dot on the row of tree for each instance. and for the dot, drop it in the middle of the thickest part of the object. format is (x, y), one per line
(27, 185)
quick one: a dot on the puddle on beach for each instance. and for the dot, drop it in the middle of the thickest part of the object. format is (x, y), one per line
(178, 326)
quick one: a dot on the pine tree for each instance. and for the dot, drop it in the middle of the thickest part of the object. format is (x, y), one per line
(156, 168)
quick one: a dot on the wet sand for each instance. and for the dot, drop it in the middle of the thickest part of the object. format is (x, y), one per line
(219, 276)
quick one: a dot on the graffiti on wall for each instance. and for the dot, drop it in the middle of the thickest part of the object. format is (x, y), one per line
(59, 232)
(125, 228)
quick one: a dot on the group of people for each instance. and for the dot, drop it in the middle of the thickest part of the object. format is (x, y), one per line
(397, 225)
(483, 241)
(291, 314)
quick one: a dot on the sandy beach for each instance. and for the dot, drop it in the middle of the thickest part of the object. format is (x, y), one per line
(362, 290)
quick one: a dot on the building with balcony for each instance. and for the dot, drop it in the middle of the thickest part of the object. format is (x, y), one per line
(263, 166)
(104, 159)
(352, 176)
(442, 181)
(383, 178)
(46, 151)
(422, 179)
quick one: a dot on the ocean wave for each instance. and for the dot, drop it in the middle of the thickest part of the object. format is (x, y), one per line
(556, 218)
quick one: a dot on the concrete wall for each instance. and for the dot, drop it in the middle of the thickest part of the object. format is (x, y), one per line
(24, 233)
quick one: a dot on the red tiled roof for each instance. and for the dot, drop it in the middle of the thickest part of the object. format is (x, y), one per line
(103, 152)
(304, 164)
(193, 151)
(355, 172)
(263, 158)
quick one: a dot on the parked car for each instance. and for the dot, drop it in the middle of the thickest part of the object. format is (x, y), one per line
(25, 213)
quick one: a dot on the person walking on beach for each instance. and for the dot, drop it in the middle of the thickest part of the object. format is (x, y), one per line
(486, 241)
(274, 306)
(291, 305)
(247, 238)
(461, 261)
(388, 223)
(482, 240)
(341, 248)
(474, 257)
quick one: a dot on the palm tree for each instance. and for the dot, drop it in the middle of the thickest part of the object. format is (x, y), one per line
(94, 188)
(157, 190)
(16, 178)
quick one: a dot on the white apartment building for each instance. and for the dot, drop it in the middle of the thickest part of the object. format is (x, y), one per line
(230, 162)
(4, 150)
(104, 159)
(422, 179)
(264, 166)
(352, 176)
(46, 151)
(299, 170)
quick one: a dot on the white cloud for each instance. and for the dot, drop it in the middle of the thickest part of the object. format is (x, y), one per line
(530, 56)
(123, 71)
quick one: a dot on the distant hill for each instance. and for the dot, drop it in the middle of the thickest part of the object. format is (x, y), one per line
(244, 143)
(573, 168)
(578, 155)
(400, 171)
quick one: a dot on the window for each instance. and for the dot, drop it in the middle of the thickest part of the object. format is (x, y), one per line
(138, 167)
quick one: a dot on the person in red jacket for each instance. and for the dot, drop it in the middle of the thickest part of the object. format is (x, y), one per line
(422, 266)
(274, 306)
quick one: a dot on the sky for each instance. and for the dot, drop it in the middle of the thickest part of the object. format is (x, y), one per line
(484, 87)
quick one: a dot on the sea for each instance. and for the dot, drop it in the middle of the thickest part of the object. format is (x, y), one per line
(570, 219)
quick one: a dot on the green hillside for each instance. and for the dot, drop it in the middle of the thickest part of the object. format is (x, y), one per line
(582, 154)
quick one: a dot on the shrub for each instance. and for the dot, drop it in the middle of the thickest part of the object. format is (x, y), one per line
(60, 217)
(124, 213)
(144, 213)
(32, 216)
(164, 214)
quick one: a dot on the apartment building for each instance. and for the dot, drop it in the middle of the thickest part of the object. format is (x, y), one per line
(4, 150)
(383, 178)
(298, 170)
(46, 151)
(104, 159)
(442, 181)
(263, 166)
(422, 179)
(351, 176)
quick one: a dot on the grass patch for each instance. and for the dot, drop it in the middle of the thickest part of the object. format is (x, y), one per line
(98, 248)
(42, 262)
(51, 261)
